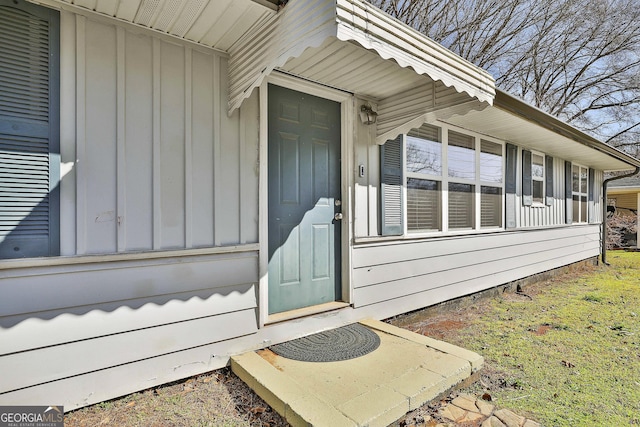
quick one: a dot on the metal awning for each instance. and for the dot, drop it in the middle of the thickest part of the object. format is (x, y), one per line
(346, 44)
(349, 45)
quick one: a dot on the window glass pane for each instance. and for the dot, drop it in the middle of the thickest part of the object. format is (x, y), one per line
(490, 206)
(576, 208)
(575, 177)
(461, 156)
(424, 150)
(423, 205)
(583, 209)
(537, 166)
(461, 212)
(424, 156)
(583, 180)
(538, 188)
(490, 161)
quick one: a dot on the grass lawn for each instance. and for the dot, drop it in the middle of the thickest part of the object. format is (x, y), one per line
(568, 354)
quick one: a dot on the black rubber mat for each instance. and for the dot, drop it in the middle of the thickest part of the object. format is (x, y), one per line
(347, 342)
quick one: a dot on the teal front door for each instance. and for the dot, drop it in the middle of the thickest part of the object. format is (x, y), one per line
(304, 200)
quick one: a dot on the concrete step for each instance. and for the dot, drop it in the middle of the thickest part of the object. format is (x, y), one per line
(406, 371)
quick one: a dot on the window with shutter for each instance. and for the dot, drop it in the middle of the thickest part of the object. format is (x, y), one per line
(29, 130)
(466, 186)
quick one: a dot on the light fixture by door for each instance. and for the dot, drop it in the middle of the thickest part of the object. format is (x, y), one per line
(367, 115)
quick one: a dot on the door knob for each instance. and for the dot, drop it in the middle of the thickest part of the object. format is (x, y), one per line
(338, 216)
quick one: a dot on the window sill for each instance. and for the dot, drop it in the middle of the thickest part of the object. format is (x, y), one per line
(433, 235)
(460, 235)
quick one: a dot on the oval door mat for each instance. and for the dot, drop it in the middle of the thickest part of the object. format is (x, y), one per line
(347, 342)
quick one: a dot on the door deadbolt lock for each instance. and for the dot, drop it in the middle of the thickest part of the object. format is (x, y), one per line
(338, 216)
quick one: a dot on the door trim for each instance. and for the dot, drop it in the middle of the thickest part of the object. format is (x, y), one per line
(346, 101)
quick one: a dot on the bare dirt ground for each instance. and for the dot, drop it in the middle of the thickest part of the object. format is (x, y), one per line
(220, 398)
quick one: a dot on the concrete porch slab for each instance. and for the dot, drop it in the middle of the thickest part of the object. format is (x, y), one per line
(406, 371)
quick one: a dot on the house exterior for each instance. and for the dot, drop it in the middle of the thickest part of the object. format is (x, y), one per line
(188, 180)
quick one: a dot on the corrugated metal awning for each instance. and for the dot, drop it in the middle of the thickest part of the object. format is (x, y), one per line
(350, 45)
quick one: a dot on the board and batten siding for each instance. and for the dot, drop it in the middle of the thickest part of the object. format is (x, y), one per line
(555, 214)
(159, 207)
(409, 274)
(160, 165)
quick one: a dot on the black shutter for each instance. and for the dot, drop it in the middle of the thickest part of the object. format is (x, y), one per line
(510, 185)
(29, 130)
(391, 173)
(527, 184)
(548, 176)
(568, 193)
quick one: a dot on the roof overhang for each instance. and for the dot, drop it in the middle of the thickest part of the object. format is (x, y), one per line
(352, 46)
(209, 23)
(512, 119)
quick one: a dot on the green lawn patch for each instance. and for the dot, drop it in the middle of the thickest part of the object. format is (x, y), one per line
(570, 354)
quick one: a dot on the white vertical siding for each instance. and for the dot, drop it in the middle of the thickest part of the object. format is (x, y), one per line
(138, 200)
(160, 165)
(68, 134)
(172, 146)
(228, 191)
(202, 212)
(100, 194)
(541, 216)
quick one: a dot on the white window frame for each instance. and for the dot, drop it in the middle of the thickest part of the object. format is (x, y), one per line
(444, 181)
(580, 194)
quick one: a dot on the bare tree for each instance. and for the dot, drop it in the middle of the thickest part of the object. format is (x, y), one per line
(576, 59)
